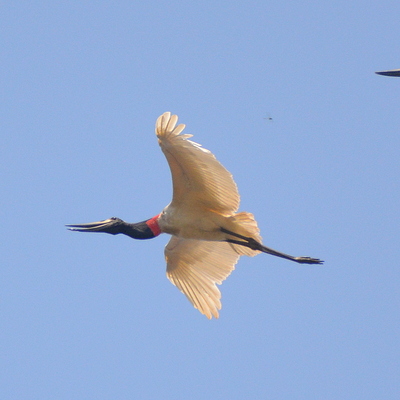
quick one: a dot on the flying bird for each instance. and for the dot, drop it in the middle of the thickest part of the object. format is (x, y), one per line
(208, 234)
(393, 72)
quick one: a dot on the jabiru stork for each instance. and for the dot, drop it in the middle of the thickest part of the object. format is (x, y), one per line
(208, 235)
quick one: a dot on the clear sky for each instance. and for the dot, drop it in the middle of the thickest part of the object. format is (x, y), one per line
(93, 316)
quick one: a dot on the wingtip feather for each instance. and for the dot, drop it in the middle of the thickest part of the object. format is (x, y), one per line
(166, 125)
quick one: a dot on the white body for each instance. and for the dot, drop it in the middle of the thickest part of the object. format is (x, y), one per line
(205, 199)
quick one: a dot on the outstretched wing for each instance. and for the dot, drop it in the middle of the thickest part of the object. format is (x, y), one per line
(198, 178)
(195, 267)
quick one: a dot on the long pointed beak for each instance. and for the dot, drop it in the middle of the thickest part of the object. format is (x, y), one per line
(99, 226)
(393, 72)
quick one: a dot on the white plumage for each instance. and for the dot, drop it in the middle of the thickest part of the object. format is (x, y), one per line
(205, 197)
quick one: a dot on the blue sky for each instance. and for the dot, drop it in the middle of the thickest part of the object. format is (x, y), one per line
(92, 316)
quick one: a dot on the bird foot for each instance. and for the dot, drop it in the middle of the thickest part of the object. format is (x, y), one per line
(308, 260)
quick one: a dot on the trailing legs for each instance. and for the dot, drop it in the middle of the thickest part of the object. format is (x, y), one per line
(254, 245)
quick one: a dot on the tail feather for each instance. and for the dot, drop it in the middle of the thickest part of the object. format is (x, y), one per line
(246, 225)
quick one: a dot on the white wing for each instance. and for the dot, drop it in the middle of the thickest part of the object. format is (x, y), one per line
(198, 178)
(196, 267)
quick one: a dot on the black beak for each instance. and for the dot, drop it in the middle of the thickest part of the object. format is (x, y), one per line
(111, 225)
(393, 72)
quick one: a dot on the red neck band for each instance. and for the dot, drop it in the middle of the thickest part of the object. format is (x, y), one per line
(153, 225)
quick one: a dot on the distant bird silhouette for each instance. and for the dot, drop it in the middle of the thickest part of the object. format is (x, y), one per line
(208, 236)
(393, 72)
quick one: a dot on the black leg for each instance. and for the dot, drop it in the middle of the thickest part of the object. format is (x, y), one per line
(254, 245)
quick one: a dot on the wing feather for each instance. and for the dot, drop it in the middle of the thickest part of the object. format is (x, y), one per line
(197, 176)
(195, 267)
